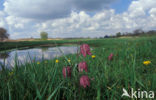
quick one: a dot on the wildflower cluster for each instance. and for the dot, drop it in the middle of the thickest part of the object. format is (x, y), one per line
(82, 66)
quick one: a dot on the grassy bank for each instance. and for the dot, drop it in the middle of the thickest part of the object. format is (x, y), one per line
(44, 80)
(30, 44)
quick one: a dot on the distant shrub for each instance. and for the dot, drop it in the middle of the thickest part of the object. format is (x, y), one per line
(118, 34)
(44, 35)
(106, 36)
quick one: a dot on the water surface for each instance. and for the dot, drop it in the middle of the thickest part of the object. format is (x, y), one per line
(27, 55)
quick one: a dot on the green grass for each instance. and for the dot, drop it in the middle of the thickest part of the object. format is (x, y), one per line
(126, 70)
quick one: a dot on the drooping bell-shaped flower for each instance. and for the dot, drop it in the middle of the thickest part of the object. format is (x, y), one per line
(82, 66)
(84, 81)
(66, 71)
(110, 57)
(85, 50)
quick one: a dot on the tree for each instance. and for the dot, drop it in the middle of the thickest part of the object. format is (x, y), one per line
(118, 34)
(44, 35)
(106, 36)
(3, 34)
(138, 32)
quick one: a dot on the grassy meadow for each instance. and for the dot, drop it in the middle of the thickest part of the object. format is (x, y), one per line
(44, 80)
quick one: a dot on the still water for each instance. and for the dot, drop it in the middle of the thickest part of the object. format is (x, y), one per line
(27, 55)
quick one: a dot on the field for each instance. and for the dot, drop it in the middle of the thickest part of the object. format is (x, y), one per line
(44, 80)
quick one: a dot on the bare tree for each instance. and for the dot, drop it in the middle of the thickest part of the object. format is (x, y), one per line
(3, 34)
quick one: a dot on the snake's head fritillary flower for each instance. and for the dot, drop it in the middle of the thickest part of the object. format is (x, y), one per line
(66, 71)
(85, 50)
(82, 66)
(84, 81)
(110, 57)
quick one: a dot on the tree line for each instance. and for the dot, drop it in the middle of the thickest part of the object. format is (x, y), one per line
(137, 32)
(44, 35)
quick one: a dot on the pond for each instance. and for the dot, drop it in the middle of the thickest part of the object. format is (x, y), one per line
(27, 55)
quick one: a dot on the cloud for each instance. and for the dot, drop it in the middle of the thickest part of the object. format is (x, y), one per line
(22, 22)
(51, 9)
(152, 13)
(141, 7)
(92, 5)
(40, 9)
(142, 13)
(83, 25)
(144, 4)
(18, 22)
(2, 19)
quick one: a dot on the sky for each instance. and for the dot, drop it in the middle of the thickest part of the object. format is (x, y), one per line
(120, 5)
(75, 18)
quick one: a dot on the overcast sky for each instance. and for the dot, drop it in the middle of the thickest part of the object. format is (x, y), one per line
(75, 18)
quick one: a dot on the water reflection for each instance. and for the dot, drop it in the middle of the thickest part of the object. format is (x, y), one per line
(44, 49)
(4, 55)
(36, 54)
